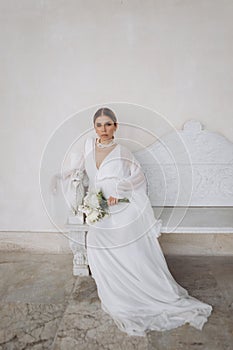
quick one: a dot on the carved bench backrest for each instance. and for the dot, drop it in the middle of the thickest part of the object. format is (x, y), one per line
(190, 167)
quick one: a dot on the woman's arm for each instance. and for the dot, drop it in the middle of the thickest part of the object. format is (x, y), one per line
(136, 179)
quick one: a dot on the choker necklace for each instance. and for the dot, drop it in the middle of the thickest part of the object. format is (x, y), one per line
(103, 145)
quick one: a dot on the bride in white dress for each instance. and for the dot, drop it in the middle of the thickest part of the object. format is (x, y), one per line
(133, 281)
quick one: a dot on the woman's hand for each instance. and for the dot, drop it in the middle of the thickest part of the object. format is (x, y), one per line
(112, 200)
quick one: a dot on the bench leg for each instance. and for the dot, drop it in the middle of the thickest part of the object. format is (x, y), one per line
(77, 243)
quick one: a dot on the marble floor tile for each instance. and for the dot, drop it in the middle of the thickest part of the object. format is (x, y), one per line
(202, 283)
(223, 273)
(28, 325)
(43, 306)
(216, 334)
(86, 326)
(211, 278)
(40, 278)
(199, 276)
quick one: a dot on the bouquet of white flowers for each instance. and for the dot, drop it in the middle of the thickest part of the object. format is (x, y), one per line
(95, 206)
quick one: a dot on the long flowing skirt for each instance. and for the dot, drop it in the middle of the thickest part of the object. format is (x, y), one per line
(133, 281)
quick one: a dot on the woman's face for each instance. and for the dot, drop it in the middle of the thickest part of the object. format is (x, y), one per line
(104, 127)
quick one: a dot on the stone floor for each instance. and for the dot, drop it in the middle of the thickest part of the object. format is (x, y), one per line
(43, 306)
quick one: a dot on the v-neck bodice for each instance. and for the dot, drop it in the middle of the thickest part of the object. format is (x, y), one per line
(105, 158)
(109, 172)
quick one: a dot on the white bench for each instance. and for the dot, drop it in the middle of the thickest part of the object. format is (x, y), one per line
(190, 185)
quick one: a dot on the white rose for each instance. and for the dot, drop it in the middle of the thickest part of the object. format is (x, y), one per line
(92, 200)
(93, 216)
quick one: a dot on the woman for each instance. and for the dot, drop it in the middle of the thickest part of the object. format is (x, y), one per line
(133, 281)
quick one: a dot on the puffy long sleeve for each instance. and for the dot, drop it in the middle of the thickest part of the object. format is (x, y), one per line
(77, 162)
(74, 166)
(136, 179)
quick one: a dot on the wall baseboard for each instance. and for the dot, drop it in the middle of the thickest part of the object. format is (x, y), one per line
(171, 243)
(36, 242)
(197, 244)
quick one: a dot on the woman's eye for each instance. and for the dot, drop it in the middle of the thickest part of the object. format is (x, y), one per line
(99, 125)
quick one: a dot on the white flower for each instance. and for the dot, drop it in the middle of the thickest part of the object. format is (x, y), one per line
(85, 209)
(91, 200)
(93, 216)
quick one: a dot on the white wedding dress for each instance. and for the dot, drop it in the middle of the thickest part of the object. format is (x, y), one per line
(133, 281)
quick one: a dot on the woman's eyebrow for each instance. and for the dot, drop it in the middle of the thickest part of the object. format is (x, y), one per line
(104, 123)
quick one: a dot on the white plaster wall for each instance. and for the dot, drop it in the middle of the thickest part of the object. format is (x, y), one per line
(58, 57)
